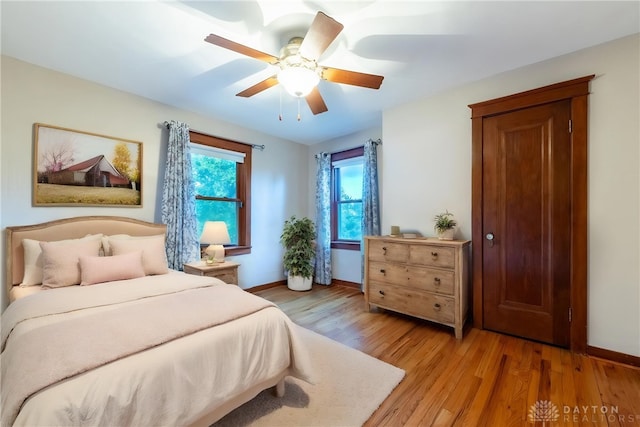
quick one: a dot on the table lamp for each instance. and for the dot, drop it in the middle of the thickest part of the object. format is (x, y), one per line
(215, 234)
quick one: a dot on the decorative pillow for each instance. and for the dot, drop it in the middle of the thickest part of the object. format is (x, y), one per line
(33, 259)
(32, 263)
(154, 257)
(106, 247)
(61, 261)
(100, 269)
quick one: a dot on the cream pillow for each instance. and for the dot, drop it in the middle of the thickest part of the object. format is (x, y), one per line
(32, 263)
(100, 269)
(33, 259)
(61, 261)
(106, 247)
(154, 257)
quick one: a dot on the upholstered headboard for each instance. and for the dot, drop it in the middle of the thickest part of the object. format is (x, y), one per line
(69, 228)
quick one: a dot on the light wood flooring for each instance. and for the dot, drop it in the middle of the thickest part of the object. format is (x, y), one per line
(486, 379)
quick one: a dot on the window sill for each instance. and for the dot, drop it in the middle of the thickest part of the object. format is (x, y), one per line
(237, 250)
(341, 244)
(231, 250)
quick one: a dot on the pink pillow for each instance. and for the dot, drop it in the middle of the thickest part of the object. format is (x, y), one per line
(100, 269)
(60, 261)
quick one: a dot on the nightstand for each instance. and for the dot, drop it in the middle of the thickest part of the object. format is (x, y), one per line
(226, 271)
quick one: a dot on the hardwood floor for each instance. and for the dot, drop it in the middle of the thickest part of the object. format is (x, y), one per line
(486, 379)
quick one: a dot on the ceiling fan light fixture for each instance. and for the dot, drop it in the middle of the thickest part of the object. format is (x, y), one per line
(298, 81)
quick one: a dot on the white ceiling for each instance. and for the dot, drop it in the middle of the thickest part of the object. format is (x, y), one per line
(156, 49)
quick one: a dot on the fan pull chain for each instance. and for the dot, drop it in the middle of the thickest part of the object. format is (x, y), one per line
(280, 113)
(298, 108)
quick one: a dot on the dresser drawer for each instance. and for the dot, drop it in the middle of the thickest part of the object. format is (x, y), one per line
(431, 279)
(387, 272)
(423, 278)
(380, 250)
(435, 256)
(409, 301)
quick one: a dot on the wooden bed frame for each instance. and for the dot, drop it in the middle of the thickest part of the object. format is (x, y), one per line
(77, 227)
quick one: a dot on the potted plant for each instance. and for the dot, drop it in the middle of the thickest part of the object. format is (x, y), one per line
(298, 237)
(445, 225)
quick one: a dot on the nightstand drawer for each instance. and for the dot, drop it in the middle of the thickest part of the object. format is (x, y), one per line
(226, 271)
(229, 277)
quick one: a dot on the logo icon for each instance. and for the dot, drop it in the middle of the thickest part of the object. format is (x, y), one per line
(543, 410)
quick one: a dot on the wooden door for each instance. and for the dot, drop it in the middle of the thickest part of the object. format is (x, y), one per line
(527, 222)
(576, 93)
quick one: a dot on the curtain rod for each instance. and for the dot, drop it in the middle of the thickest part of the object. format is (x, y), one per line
(256, 146)
(374, 141)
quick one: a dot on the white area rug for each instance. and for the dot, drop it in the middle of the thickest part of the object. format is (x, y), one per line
(351, 386)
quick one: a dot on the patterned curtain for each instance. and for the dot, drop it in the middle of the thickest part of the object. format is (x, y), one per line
(370, 197)
(323, 220)
(178, 200)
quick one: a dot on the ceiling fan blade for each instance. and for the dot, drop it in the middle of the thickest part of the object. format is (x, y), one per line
(322, 32)
(354, 78)
(240, 48)
(315, 101)
(259, 87)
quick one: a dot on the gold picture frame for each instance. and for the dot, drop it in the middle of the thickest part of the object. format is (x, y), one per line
(75, 168)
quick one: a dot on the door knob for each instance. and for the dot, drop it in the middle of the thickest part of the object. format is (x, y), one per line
(490, 238)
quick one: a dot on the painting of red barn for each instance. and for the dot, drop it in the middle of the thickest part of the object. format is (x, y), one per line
(74, 168)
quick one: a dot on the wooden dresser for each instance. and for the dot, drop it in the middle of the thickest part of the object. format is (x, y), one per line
(424, 277)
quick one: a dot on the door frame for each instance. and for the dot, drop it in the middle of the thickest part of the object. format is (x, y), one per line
(576, 90)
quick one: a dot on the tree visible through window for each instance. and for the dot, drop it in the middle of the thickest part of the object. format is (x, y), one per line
(222, 178)
(216, 191)
(346, 206)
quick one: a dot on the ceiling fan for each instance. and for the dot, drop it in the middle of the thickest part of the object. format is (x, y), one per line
(299, 71)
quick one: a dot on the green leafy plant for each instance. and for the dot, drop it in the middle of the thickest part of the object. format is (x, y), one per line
(298, 237)
(444, 221)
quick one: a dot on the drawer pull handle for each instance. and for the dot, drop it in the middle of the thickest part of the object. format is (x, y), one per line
(434, 255)
(383, 271)
(436, 307)
(384, 250)
(436, 281)
(381, 293)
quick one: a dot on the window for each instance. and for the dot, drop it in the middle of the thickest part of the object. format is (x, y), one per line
(222, 177)
(346, 198)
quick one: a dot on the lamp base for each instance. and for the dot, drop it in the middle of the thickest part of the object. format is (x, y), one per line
(215, 253)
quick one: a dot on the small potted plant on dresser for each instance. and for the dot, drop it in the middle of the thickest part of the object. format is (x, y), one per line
(445, 225)
(298, 237)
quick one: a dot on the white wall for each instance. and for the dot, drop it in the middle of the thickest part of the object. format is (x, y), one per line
(427, 168)
(345, 264)
(32, 94)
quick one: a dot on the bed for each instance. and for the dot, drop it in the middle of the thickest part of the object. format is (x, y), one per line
(134, 343)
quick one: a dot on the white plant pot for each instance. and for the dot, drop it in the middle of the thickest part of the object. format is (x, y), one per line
(299, 283)
(447, 234)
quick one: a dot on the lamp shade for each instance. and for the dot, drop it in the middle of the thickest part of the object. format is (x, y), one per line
(215, 234)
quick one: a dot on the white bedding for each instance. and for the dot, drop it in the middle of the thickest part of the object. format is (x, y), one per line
(180, 382)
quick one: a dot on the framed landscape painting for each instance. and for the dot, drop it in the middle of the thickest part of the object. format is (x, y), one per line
(74, 168)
